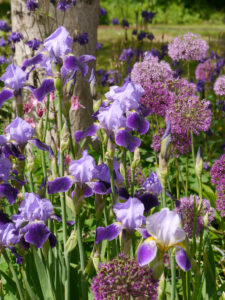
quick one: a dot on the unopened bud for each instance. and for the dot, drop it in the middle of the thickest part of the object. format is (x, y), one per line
(40, 128)
(199, 164)
(166, 148)
(137, 159)
(58, 84)
(64, 138)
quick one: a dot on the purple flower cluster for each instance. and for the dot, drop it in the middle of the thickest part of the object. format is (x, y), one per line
(188, 47)
(205, 70)
(219, 86)
(157, 98)
(32, 5)
(188, 114)
(65, 4)
(81, 38)
(151, 70)
(3, 26)
(148, 16)
(34, 44)
(218, 178)
(186, 209)
(15, 37)
(122, 278)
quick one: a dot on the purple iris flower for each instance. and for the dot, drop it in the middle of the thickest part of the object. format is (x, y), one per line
(125, 23)
(128, 95)
(47, 86)
(33, 212)
(90, 131)
(102, 11)
(127, 55)
(5, 168)
(8, 235)
(98, 46)
(115, 21)
(9, 192)
(14, 77)
(141, 35)
(31, 5)
(152, 184)
(3, 60)
(82, 169)
(58, 44)
(125, 139)
(4, 26)
(59, 185)
(129, 215)
(20, 131)
(64, 4)
(136, 122)
(15, 37)
(148, 16)
(3, 42)
(81, 38)
(34, 44)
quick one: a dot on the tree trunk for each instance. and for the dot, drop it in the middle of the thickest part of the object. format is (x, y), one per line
(82, 17)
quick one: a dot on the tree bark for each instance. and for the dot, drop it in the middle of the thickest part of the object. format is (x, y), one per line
(83, 17)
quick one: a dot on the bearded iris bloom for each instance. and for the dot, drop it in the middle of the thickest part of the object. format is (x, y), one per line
(165, 233)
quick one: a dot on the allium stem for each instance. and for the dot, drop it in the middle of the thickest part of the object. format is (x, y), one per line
(187, 174)
(18, 284)
(177, 180)
(194, 227)
(63, 202)
(192, 148)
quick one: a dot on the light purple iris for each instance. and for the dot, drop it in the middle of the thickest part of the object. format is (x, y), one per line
(14, 79)
(58, 43)
(90, 131)
(8, 235)
(152, 184)
(59, 184)
(82, 169)
(130, 215)
(46, 87)
(5, 168)
(128, 95)
(20, 131)
(165, 232)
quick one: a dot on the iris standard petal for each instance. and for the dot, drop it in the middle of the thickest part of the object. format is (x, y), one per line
(37, 234)
(59, 185)
(44, 89)
(126, 140)
(90, 131)
(5, 95)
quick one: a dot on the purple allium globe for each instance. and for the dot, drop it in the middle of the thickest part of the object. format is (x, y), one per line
(123, 277)
(186, 209)
(188, 47)
(182, 87)
(188, 114)
(218, 170)
(220, 200)
(151, 70)
(157, 98)
(205, 70)
(219, 86)
(139, 177)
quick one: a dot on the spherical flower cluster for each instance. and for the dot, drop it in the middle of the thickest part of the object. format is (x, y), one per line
(218, 170)
(188, 114)
(182, 87)
(151, 70)
(219, 86)
(181, 143)
(220, 201)
(123, 277)
(188, 47)
(157, 98)
(186, 209)
(138, 176)
(205, 70)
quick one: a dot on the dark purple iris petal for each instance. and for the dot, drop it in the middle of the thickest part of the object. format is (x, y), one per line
(71, 63)
(11, 149)
(182, 259)
(4, 218)
(59, 219)
(126, 140)
(101, 188)
(88, 192)
(46, 87)
(5, 95)
(19, 259)
(7, 191)
(34, 44)
(37, 234)
(90, 131)
(146, 253)
(59, 185)
(52, 240)
(107, 233)
(143, 232)
(38, 144)
(149, 201)
(138, 123)
(123, 194)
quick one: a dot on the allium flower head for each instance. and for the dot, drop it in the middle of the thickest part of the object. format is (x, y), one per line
(186, 209)
(182, 87)
(188, 47)
(219, 86)
(189, 114)
(20, 131)
(151, 70)
(122, 278)
(220, 200)
(157, 98)
(205, 70)
(218, 170)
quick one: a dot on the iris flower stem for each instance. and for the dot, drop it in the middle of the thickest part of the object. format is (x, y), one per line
(163, 197)
(63, 204)
(46, 119)
(31, 182)
(132, 175)
(18, 285)
(173, 275)
(82, 258)
(194, 228)
(125, 167)
(71, 138)
(187, 174)
(192, 149)
(112, 186)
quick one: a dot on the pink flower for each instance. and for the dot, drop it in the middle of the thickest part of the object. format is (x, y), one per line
(30, 121)
(75, 103)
